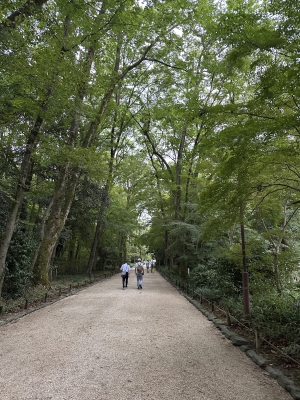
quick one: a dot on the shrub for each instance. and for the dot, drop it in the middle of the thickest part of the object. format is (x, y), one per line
(277, 314)
(18, 275)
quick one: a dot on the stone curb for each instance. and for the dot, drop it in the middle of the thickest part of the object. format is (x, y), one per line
(240, 342)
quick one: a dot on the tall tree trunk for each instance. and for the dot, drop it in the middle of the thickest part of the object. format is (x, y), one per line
(122, 251)
(178, 177)
(42, 231)
(166, 244)
(100, 220)
(191, 169)
(24, 172)
(276, 268)
(62, 200)
(64, 190)
(245, 278)
(178, 192)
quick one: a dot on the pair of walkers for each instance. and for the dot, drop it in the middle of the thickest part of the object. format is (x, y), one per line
(139, 272)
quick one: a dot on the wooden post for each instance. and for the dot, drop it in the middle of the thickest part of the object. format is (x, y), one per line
(45, 298)
(228, 319)
(26, 304)
(200, 298)
(212, 306)
(257, 340)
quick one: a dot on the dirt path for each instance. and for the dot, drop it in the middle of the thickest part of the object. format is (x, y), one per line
(107, 343)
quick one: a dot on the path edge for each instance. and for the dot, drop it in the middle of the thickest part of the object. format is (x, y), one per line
(238, 341)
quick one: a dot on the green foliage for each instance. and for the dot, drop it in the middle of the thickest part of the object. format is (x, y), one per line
(234, 305)
(277, 315)
(4, 209)
(292, 350)
(217, 277)
(18, 275)
(184, 239)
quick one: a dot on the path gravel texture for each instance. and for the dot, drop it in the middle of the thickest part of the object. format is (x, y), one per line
(106, 343)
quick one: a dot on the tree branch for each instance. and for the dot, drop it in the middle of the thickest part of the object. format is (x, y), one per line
(18, 16)
(165, 64)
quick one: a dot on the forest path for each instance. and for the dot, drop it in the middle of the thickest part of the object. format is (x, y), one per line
(106, 343)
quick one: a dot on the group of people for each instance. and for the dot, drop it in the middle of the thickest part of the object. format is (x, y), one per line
(139, 269)
(150, 265)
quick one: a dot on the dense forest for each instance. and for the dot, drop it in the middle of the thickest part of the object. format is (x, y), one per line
(165, 129)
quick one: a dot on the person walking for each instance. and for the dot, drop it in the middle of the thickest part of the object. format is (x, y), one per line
(152, 266)
(139, 272)
(125, 268)
(147, 265)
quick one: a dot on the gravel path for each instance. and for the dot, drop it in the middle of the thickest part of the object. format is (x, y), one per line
(106, 343)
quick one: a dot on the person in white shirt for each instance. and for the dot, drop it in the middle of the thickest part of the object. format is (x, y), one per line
(125, 268)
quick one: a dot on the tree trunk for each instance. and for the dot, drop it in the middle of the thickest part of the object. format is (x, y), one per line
(100, 219)
(276, 267)
(166, 244)
(245, 279)
(122, 249)
(62, 200)
(64, 190)
(191, 169)
(24, 171)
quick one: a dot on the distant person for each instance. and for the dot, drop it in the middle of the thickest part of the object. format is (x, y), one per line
(125, 268)
(139, 272)
(152, 265)
(147, 265)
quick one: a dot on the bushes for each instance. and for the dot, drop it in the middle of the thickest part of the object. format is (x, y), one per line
(18, 275)
(216, 280)
(277, 315)
(274, 314)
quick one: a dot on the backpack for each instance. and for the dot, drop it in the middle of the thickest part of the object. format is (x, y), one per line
(139, 269)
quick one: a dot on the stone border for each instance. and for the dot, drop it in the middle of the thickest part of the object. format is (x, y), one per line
(242, 343)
